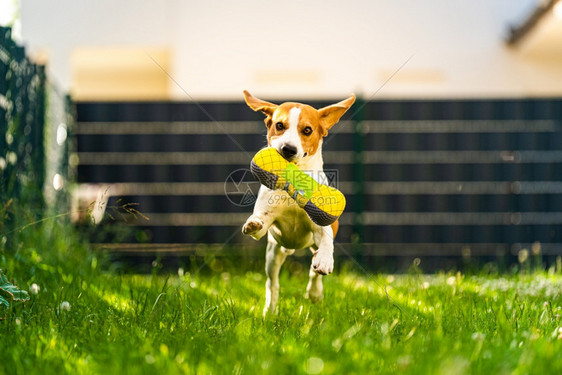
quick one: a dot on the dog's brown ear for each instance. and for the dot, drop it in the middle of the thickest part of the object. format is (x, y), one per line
(330, 115)
(256, 104)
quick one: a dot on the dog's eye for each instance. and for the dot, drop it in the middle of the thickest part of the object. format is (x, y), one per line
(307, 130)
(279, 126)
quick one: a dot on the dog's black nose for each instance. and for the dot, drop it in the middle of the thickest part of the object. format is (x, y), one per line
(288, 151)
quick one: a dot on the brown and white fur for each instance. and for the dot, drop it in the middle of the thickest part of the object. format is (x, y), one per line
(296, 131)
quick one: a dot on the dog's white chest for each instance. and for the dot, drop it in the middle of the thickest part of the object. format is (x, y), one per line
(291, 228)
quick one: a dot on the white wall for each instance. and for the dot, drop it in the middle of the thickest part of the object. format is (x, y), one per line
(58, 27)
(309, 48)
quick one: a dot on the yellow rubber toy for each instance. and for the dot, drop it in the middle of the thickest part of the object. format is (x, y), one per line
(323, 203)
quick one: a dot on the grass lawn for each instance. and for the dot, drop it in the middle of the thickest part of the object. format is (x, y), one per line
(211, 322)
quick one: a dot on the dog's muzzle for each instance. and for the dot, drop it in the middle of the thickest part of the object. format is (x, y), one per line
(288, 151)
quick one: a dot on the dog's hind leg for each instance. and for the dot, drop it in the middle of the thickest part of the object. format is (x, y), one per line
(274, 258)
(314, 289)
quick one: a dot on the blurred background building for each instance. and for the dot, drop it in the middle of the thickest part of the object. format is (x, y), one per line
(302, 49)
(453, 149)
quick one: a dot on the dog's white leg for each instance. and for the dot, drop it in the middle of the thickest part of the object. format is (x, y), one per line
(257, 225)
(314, 288)
(274, 258)
(323, 259)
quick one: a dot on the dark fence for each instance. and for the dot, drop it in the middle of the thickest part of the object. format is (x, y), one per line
(34, 123)
(422, 177)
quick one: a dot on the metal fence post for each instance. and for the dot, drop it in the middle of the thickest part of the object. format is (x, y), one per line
(358, 201)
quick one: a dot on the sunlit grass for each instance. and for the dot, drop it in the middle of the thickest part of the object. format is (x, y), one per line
(211, 322)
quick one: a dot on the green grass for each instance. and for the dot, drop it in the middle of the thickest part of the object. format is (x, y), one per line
(211, 322)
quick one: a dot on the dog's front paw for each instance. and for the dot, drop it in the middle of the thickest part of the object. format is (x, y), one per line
(323, 263)
(252, 226)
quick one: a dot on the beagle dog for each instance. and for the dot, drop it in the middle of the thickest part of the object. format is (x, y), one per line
(296, 131)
